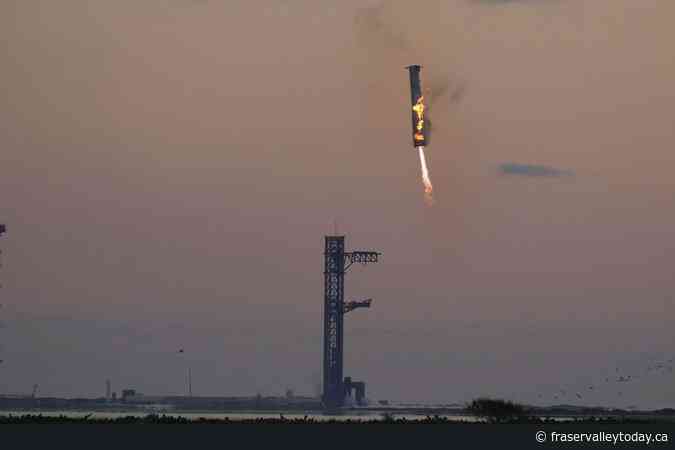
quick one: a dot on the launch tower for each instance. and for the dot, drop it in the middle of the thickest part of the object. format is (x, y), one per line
(337, 262)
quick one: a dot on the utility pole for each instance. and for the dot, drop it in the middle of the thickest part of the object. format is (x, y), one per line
(3, 230)
(189, 381)
(189, 374)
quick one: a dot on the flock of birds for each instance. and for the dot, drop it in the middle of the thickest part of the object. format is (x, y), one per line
(658, 367)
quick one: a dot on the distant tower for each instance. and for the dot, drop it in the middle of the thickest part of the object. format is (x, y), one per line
(336, 263)
(3, 230)
(107, 390)
(189, 380)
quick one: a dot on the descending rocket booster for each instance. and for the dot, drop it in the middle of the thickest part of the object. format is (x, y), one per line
(419, 123)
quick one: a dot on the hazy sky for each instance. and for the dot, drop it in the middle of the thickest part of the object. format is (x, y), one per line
(168, 169)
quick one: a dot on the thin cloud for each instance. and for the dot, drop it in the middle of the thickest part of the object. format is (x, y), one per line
(506, 2)
(531, 170)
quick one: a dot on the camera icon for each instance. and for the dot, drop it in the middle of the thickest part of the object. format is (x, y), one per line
(540, 436)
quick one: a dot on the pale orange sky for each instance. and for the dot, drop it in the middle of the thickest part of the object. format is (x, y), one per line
(168, 169)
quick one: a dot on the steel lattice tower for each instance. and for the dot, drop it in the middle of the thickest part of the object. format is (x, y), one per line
(337, 261)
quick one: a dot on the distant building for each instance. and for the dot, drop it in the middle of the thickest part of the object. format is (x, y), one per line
(128, 393)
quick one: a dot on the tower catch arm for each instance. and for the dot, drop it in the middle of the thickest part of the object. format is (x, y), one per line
(351, 306)
(361, 256)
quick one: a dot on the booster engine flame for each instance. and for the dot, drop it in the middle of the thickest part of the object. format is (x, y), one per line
(428, 188)
(418, 108)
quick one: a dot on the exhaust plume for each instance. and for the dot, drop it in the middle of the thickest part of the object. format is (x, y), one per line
(428, 188)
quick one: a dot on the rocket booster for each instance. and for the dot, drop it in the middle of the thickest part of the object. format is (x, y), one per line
(419, 122)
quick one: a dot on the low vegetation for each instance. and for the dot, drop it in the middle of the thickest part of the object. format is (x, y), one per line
(502, 413)
(497, 411)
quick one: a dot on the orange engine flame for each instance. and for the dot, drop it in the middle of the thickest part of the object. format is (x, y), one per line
(419, 110)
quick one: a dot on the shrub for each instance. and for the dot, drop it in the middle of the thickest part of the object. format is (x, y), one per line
(496, 410)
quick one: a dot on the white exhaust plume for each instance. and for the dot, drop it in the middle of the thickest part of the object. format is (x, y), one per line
(428, 188)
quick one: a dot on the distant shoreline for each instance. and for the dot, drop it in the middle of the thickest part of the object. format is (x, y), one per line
(272, 408)
(38, 418)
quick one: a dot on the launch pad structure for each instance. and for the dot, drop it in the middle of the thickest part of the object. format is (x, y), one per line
(336, 388)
